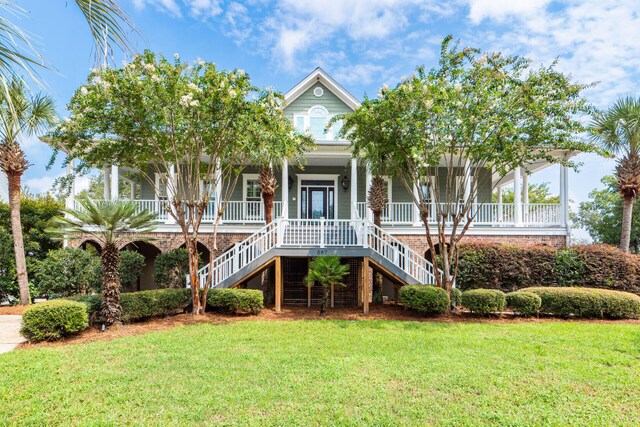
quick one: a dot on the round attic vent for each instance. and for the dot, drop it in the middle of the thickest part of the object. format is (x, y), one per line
(318, 92)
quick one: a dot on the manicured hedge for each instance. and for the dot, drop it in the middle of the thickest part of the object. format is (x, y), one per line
(588, 303)
(53, 320)
(141, 305)
(425, 299)
(524, 303)
(510, 268)
(484, 301)
(235, 301)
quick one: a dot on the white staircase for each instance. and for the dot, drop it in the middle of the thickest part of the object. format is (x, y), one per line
(342, 237)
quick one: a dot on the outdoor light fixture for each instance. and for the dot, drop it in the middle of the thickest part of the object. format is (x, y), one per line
(345, 182)
(290, 182)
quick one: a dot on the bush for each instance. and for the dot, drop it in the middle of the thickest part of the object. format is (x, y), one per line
(171, 268)
(235, 301)
(588, 303)
(53, 320)
(131, 266)
(66, 272)
(511, 268)
(425, 299)
(456, 297)
(524, 303)
(142, 305)
(484, 301)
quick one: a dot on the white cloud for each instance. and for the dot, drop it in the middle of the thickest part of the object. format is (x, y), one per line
(167, 6)
(499, 10)
(204, 8)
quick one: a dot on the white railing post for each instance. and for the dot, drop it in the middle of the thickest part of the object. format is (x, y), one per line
(279, 232)
(500, 208)
(322, 228)
(564, 196)
(365, 233)
(517, 204)
(525, 198)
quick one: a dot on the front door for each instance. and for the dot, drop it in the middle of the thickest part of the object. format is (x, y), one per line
(317, 203)
(317, 199)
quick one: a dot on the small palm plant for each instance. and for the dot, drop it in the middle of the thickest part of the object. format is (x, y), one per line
(328, 272)
(107, 222)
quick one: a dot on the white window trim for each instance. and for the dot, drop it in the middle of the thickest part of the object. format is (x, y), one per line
(318, 177)
(306, 115)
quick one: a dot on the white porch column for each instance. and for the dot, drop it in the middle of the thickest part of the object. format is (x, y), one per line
(366, 198)
(417, 221)
(115, 182)
(525, 197)
(107, 183)
(70, 201)
(467, 180)
(170, 193)
(517, 192)
(217, 180)
(500, 209)
(564, 196)
(284, 184)
(354, 189)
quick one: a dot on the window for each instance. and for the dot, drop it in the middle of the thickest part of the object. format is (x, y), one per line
(318, 119)
(318, 92)
(300, 124)
(251, 196)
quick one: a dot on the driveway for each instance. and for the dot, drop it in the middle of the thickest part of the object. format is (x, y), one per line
(9, 332)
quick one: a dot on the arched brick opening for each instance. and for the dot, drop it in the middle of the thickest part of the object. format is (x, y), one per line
(90, 245)
(203, 250)
(150, 252)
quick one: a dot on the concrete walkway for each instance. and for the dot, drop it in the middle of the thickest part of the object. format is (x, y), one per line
(9, 332)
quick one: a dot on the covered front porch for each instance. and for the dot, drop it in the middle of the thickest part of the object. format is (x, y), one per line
(334, 186)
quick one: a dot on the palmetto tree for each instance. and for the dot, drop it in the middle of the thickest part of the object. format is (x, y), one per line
(618, 131)
(106, 222)
(328, 272)
(20, 115)
(377, 200)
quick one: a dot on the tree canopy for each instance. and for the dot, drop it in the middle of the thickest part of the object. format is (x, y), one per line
(473, 112)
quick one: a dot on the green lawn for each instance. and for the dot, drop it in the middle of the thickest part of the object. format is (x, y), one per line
(334, 373)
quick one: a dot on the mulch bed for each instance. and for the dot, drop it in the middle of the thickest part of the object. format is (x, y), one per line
(377, 312)
(12, 309)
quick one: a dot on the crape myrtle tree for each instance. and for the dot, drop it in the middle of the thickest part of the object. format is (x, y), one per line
(472, 113)
(191, 125)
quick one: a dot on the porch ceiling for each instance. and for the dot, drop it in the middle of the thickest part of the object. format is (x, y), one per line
(531, 168)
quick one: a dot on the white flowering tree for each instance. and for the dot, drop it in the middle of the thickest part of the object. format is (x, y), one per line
(472, 116)
(189, 124)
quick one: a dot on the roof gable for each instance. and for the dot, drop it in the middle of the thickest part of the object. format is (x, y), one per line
(319, 75)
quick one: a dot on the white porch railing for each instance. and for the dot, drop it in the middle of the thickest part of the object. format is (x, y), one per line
(317, 233)
(485, 214)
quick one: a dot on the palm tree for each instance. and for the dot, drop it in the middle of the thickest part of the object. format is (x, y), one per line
(377, 202)
(618, 131)
(106, 222)
(20, 115)
(328, 272)
(107, 22)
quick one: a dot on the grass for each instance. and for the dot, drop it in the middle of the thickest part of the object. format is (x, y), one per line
(334, 373)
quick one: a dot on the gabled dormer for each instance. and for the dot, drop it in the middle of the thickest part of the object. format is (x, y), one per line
(314, 101)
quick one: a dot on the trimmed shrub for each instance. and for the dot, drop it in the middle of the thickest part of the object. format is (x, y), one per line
(511, 268)
(425, 299)
(141, 305)
(131, 267)
(66, 272)
(456, 297)
(171, 268)
(588, 303)
(53, 320)
(235, 301)
(483, 301)
(524, 303)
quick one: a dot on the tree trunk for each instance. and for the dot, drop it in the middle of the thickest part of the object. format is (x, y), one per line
(326, 290)
(627, 214)
(18, 242)
(110, 311)
(192, 249)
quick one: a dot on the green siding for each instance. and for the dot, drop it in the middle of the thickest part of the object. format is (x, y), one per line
(307, 100)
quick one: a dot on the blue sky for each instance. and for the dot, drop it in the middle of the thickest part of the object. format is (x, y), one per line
(361, 43)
